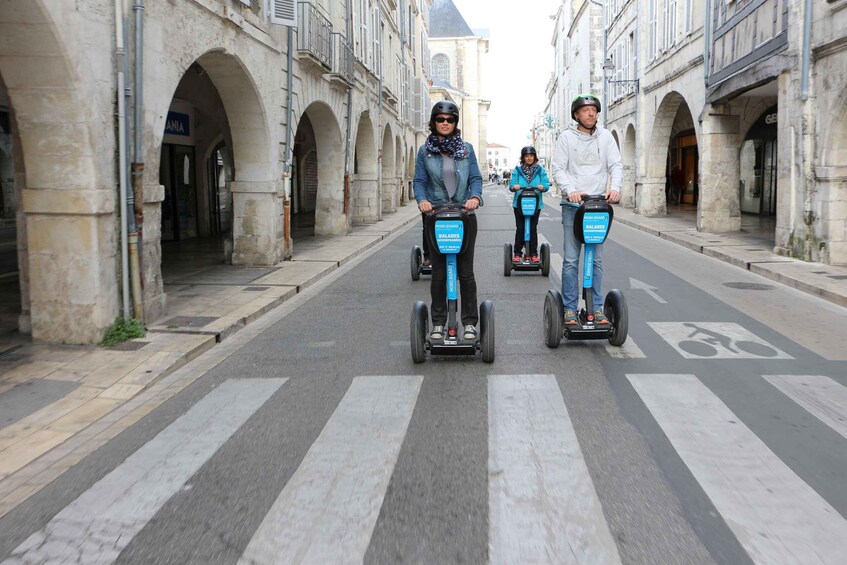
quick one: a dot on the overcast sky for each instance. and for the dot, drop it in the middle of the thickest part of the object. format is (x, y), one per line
(520, 60)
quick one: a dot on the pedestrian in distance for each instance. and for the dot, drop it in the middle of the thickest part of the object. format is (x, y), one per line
(507, 175)
(528, 174)
(586, 161)
(446, 171)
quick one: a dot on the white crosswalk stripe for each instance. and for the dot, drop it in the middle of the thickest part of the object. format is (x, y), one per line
(99, 524)
(775, 515)
(536, 476)
(822, 397)
(327, 511)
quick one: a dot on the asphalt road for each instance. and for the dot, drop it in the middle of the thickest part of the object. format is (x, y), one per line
(716, 434)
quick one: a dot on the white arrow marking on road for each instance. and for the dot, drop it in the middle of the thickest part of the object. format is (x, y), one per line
(638, 285)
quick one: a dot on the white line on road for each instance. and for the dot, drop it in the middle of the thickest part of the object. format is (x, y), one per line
(542, 503)
(98, 525)
(824, 398)
(322, 344)
(650, 290)
(327, 511)
(629, 350)
(775, 515)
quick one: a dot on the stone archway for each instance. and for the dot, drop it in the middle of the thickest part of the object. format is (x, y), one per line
(672, 118)
(366, 205)
(64, 177)
(628, 158)
(326, 170)
(389, 178)
(832, 183)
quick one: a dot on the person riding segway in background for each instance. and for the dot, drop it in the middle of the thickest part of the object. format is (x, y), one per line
(585, 159)
(529, 174)
(446, 170)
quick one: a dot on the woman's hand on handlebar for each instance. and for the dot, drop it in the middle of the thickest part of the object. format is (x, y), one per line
(613, 196)
(515, 187)
(471, 203)
(425, 206)
(575, 197)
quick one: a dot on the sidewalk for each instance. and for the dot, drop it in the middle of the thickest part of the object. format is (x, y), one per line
(51, 395)
(746, 250)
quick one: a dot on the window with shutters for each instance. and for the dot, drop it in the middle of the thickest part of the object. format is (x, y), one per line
(376, 26)
(672, 13)
(688, 16)
(653, 24)
(282, 12)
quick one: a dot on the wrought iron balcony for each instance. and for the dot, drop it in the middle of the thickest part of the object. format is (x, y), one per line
(314, 35)
(342, 59)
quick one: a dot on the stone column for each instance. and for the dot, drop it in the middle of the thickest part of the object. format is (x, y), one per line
(389, 192)
(366, 190)
(718, 209)
(257, 222)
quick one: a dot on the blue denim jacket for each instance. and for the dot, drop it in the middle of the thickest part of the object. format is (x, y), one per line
(429, 179)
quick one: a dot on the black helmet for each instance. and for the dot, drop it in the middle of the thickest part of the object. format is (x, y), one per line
(584, 100)
(528, 150)
(444, 107)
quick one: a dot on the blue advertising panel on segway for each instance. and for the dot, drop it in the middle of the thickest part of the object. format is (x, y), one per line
(449, 235)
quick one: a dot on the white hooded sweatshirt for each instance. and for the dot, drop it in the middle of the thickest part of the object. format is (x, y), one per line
(584, 162)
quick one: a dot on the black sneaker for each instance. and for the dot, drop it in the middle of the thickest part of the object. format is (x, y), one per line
(470, 332)
(437, 332)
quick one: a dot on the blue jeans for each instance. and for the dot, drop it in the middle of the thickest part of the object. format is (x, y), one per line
(571, 276)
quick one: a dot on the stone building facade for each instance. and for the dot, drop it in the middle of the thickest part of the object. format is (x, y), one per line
(731, 108)
(457, 63)
(242, 122)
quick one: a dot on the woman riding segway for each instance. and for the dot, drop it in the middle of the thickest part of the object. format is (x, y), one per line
(528, 174)
(447, 175)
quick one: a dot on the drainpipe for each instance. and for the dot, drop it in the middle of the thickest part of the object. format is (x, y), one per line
(120, 53)
(602, 72)
(289, 157)
(807, 55)
(707, 50)
(349, 30)
(637, 98)
(135, 201)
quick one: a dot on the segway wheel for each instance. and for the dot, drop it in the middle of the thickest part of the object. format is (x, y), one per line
(416, 260)
(486, 331)
(418, 329)
(545, 259)
(554, 311)
(616, 311)
(507, 260)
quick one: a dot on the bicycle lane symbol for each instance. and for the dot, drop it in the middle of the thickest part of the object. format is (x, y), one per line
(715, 340)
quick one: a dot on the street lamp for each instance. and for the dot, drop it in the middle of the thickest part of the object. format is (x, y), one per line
(609, 72)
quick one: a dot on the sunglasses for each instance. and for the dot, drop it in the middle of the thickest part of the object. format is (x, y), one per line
(442, 119)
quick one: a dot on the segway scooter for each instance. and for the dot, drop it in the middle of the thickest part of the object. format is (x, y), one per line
(527, 204)
(591, 227)
(445, 230)
(418, 268)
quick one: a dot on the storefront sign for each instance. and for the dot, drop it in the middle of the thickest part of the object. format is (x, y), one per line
(178, 124)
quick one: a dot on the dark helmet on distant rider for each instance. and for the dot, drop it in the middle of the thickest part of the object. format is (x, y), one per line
(528, 150)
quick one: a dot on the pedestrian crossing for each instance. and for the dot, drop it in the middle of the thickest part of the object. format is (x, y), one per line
(543, 505)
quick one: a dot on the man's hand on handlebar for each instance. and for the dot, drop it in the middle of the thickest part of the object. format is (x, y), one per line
(613, 196)
(575, 197)
(425, 206)
(472, 203)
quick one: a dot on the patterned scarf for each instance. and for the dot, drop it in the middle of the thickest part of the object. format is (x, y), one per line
(453, 145)
(529, 170)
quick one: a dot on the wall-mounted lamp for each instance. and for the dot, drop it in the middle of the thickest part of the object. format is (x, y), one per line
(609, 72)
